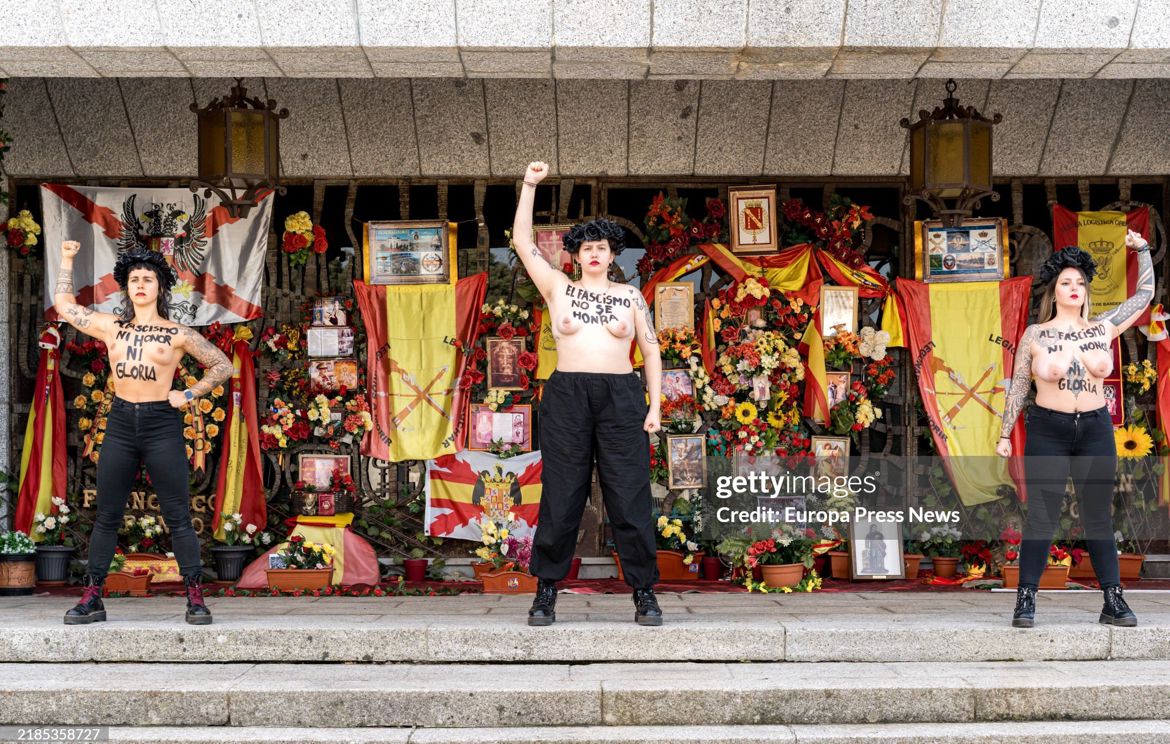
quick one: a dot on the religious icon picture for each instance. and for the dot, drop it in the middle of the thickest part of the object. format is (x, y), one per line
(875, 549)
(975, 250)
(677, 384)
(839, 307)
(508, 426)
(830, 456)
(548, 239)
(674, 305)
(685, 460)
(409, 252)
(316, 470)
(503, 368)
(752, 213)
(330, 375)
(328, 311)
(836, 387)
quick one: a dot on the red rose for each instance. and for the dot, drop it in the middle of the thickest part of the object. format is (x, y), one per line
(320, 244)
(528, 360)
(296, 539)
(716, 208)
(506, 331)
(465, 382)
(96, 365)
(521, 330)
(294, 242)
(524, 381)
(480, 354)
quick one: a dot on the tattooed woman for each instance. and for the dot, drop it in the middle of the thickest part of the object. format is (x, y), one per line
(145, 424)
(1069, 430)
(593, 406)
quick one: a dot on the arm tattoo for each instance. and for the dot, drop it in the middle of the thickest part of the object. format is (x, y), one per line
(1021, 382)
(65, 281)
(78, 316)
(651, 335)
(217, 367)
(1127, 311)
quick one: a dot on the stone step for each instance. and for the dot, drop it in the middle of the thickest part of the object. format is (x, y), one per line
(728, 628)
(616, 694)
(1042, 732)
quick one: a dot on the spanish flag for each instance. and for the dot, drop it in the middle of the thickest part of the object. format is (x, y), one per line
(962, 342)
(546, 343)
(460, 489)
(43, 468)
(239, 485)
(1102, 235)
(1158, 335)
(816, 382)
(355, 562)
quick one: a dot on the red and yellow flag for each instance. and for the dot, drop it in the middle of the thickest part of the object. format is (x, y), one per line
(43, 467)
(1102, 234)
(355, 562)
(462, 488)
(962, 342)
(239, 486)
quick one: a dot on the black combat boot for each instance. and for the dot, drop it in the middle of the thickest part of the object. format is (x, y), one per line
(1116, 611)
(197, 612)
(543, 611)
(646, 610)
(1025, 614)
(90, 609)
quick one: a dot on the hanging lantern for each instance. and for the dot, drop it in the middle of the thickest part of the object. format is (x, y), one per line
(950, 158)
(239, 149)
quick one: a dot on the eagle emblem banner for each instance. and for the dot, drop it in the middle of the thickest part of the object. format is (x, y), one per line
(462, 488)
(218, 259)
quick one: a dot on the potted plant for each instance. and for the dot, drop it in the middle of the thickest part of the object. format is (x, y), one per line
(492, 553)
(1055, 574)
(515, 579)
(132, 581)
(783, 557)
(237, 546)
(976, 556)
(679, 557)
(414, 568)
(912, 557)
(840, 565)
(941, 545)
(18, 557)
(1130, 557)
(55, 546)
(300, 564)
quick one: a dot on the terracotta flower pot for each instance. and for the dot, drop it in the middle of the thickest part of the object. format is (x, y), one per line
(18, 574)
(912, 561)
(670, 566)
(1054, 577)
(945, 568)
(787, 574)
(485, 567)
(307, 579)
(509, 582)
(124, 583)
(839, 564)
(1131, 566)
(574, 569)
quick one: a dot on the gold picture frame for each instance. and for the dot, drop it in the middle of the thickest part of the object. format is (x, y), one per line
(830, 456)
(503, 363)
(839, 306)
(752, 220)
(975, 250)
(686, 461)
(548, 241)
(674, 306)
(402, 252)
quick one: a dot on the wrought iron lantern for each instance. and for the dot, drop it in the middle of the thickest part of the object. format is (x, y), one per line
(950, 158)
(239, 149)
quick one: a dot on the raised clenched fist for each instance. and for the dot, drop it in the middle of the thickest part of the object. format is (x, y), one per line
(69, 248)
(536, 172)
(1133, 239)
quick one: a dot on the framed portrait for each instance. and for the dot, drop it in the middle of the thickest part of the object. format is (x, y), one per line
(754, 317)
(875, 550)
(838, 310)
(508, 425)
(503, 363)
(752, 212)
(830, 456)
(677, 383)
(674, 305)
(409, 252)
(330, 375)
(685, 460)
(328, 311)
(836, 387)
(316, 470)
(330, 342)
(975, 250)
(548, 242)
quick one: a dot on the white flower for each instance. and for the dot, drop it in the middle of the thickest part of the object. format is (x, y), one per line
(251, 529)
(51, 523)
(64, 509)
(228, 526)
(58, 501)
(63, 520)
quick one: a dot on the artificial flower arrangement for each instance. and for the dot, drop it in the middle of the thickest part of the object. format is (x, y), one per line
(284, 342)
(235, 532)
(299, 553)
(341, 418)
(22, 232)
(202, 418)
(856, 410)
(677, 346)
(301, 238)
(506, 321)
(284, 426)
(1133, 441)
(141, 534)
(500, 547)
(1139, 378)
(838, 231)
(1010, 540)
(787, 545)
(976, 557)
(670, 231)
(670, 535)
(51, 528)
(941, 541)
(15, 542)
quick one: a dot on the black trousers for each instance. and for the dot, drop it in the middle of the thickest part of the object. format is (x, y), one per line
(584, 415)
(1059, 445)
(137, 433)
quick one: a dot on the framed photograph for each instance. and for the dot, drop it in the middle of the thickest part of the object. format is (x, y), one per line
(752, 212)
(839, 307)
(316, 470)
(975, 250)
(328, 311)
(830, 456)
(511, 426)
(837, 386)
(503, 368)
(330, 375)
(330, 342)
(674, 305)
(409, 253)
(754, 317)
(548, 242)
(875, 550)
(677, 383)
(685, 460)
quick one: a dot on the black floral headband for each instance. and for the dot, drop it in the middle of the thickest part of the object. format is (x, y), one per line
(1070, 257)
(137, 257)
(599, 229)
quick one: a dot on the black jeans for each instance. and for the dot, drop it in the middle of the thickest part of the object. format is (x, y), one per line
(150, 433)
(582, 415)
(1059, 445)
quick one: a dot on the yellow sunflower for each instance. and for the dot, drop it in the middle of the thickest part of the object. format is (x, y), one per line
(1133, 441)
(745, 413)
